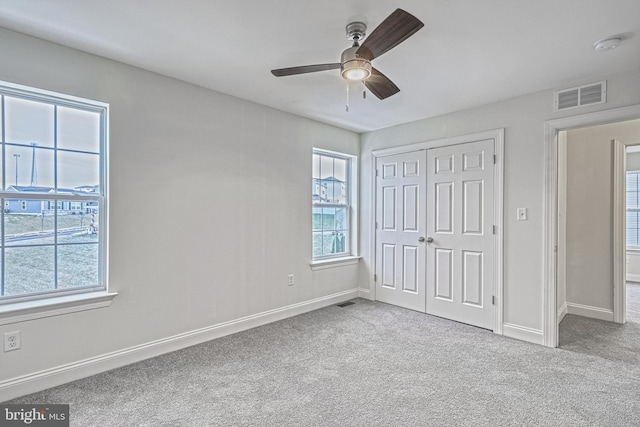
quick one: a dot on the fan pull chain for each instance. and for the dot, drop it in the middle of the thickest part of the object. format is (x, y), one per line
(347, 106)
(356, 89)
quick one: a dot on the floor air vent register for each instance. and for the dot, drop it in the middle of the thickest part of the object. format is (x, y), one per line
(345, 304)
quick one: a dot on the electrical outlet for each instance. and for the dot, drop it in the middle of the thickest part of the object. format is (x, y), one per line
(11, 341)
(291, 281)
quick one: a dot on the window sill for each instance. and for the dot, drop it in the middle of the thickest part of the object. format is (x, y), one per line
(334, 262)
(49, 307)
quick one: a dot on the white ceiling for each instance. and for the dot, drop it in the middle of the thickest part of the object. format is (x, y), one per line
(469, 53)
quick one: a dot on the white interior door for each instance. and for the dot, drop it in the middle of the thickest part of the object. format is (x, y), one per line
(400, 223)
(460, 233)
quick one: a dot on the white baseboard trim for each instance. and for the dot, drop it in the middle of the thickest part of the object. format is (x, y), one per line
(31, 383)
(562, 312)
(588, 311)
(365, 293)
(633, 277)
(523, 333)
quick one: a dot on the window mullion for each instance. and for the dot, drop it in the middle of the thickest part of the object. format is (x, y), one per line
(2, 186)
(55, 186)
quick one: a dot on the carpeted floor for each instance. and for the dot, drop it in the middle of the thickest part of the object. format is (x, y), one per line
(607, 340)
(368, 364)
(633, 302)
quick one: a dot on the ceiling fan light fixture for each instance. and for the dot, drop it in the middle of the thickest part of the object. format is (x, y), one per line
(356, 69)
(355, 62)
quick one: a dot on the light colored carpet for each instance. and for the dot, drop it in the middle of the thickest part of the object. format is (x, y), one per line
(368, 364)
(607, 340)
(633, 302)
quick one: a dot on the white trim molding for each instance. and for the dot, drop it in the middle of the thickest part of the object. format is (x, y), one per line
(522, 333)
(365, 293)
(498, 237)
(31, 383)
(334, 262)
(562, 312)
(619, 231)
(56, 306)
(551, 129)
(589, 311)
(461, 139)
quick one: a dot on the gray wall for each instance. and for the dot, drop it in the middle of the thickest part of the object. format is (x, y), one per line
(246, 168)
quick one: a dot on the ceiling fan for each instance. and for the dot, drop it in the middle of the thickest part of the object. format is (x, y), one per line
(355, 64)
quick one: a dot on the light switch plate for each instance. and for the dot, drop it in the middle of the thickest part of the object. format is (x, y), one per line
(521, 214)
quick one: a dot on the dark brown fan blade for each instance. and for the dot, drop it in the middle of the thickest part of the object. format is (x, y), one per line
(398, 27)
(304, 69)
(380, 85)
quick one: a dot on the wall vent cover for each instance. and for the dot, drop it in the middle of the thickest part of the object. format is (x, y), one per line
(594, 93)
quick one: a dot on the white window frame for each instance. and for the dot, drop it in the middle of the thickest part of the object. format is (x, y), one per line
(627, 209)
(18, 308)
(351, 255)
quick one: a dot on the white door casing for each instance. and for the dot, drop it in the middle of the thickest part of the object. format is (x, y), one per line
(400, 222)
(460, 258)
(552, 127)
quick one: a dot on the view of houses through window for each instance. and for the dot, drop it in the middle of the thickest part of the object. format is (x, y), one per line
(52, 193)
(331, 204)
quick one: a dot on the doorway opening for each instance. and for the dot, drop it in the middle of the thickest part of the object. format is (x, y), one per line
(585, 239)
(596, 191)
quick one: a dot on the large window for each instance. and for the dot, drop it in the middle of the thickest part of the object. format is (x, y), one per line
(633, 209)
(332, 204)
(52, 238)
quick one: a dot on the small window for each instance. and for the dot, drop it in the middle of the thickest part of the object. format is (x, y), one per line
(332, 204)
(633, 209)
(52, 148)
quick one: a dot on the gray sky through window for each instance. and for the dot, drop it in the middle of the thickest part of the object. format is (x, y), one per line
(30, 131)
